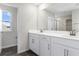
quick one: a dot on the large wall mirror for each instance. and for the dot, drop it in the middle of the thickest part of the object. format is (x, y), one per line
(60, 22)
(55, 17)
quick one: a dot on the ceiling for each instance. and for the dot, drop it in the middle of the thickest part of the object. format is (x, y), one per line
(57, 8)
(53, 7)
(16, 5)
(62, 7)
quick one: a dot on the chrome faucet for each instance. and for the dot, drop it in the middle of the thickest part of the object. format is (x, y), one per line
(73, 33)
(41, 30)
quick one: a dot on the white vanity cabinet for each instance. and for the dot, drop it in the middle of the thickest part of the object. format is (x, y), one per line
(65, 47)
(45, 46)
(39, 44)
(60, 50)
(57, 49)
(34, 43)
(73, 52)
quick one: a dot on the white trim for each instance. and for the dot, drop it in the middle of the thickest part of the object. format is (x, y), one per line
(9, 45)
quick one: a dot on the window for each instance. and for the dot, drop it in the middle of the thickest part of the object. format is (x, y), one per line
(5, 20)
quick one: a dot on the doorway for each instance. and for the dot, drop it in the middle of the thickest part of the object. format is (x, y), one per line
(69, 25)
(9, 27)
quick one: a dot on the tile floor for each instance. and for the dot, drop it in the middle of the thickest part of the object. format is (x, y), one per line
(12, 51)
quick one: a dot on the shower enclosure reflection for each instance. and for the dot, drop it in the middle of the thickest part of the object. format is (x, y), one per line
(60, 23)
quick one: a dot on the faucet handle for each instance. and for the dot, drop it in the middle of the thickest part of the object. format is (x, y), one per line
(73, 32)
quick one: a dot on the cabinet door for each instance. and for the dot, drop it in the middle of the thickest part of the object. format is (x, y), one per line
(59, 50)
(73, 52)
(45, 46)
(34, 44)
(31, 43)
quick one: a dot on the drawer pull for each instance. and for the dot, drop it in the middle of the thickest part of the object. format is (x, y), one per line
(48, 46)
(64, 52)
(32, 40)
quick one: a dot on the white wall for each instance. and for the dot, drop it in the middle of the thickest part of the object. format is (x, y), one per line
(43, 16)
(75, 20)
(9, 38)
(27, 20)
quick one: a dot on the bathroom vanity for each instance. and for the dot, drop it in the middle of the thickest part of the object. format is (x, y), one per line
(53, 43)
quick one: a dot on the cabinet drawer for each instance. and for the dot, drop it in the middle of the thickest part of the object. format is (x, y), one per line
(33, 35)
(45, 37)
(67, 42)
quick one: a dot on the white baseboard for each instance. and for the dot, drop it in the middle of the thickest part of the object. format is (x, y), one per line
(22, 51)
(9, 46)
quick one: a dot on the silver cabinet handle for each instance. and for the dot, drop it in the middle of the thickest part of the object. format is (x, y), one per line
(67, 52)
(32, 40)
(48, 46)
(64, 52)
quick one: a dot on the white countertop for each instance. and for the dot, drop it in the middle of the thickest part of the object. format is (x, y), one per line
(61, 34)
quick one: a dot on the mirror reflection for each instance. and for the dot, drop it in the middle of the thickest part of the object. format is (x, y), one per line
(60, 22)
(55, 17)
